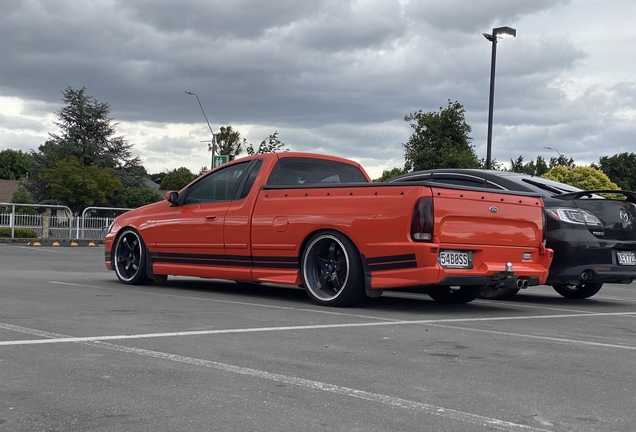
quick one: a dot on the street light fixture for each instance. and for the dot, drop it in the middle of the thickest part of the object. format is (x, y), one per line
(497, 33)
(213, 142)
(576, 178)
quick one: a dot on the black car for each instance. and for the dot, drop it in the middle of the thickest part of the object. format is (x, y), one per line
(593, 236)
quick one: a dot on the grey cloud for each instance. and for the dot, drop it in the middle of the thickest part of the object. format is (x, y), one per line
(330, 76)
(471, 16)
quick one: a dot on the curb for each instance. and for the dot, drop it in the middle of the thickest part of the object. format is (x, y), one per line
(53, 243)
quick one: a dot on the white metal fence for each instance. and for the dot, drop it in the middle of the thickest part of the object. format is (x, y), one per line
(90, 228)
(59, 225)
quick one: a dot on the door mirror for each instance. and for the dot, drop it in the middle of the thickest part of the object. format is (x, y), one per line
(173, 197)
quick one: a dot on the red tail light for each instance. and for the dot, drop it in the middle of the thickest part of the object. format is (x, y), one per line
(545, 227)
(422, 221)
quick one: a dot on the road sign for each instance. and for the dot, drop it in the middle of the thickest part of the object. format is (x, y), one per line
(219, 160)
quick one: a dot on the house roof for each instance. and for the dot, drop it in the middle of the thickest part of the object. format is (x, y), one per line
(7, 189)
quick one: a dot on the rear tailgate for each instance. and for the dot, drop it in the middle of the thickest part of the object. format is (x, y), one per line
(479, 217)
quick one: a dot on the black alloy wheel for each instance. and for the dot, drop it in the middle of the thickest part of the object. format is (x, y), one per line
(454, 294)
(503, 293)
(332, 270)
(581, 291)
(129, 259)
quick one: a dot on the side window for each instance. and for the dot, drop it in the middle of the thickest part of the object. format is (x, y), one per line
(218, 186)
(305, 171)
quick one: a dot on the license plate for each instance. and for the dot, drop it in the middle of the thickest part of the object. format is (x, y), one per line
(626, 258)
(455, 259)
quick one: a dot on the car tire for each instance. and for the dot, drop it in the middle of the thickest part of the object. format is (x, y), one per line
(503, 293)
(332, 270)
(455, 295)
(129, 258)
(581, 291)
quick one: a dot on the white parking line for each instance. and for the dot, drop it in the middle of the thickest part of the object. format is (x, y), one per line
(329, 326)
(485, 422)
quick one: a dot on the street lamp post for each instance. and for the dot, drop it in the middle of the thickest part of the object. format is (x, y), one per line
(213, 142)
(576, 178)
(499, 32)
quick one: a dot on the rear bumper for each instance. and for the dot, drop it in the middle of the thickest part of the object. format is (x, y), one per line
(594, 259)
(593, 273)
(489, 268)
(485, 280)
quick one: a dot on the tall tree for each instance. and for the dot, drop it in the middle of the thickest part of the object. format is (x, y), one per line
(87, 133)
(177, 179)
(134, 197)
(389, 174)
(439, 140)
(536, 168)
(14, 164)
(621, 169)
(77, 185)
(229, 142)
(271, 144)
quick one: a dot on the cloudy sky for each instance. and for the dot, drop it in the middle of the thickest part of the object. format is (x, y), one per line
(331, 76)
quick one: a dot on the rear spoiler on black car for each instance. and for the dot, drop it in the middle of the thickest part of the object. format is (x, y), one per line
(630, 196)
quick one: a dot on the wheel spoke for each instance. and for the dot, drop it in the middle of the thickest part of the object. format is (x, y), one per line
(332, 252)
(322, 281)
(335, 282)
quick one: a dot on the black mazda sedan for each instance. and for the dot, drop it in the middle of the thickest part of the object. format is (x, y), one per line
(593, 236)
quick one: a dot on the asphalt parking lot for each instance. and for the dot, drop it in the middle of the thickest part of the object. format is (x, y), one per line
(81, 352)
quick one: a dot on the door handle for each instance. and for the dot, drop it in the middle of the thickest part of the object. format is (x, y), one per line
(211, 217)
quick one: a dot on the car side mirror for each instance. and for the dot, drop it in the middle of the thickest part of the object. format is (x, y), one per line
(173, 197)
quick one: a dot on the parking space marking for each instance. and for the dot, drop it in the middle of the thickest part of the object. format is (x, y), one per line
(544, 338)
(439, 411)
(330, 326)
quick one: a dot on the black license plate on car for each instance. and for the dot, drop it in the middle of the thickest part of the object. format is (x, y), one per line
(626, 258)
(455, 259)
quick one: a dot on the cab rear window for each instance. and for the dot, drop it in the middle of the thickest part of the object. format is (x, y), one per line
(303, 171)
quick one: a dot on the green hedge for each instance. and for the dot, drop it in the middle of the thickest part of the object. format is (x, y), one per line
(18, 233)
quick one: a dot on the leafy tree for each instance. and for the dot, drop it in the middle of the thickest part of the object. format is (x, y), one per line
(536, 168)
(157, 177)
(587, 178)
(228, 142)
(561, 161)
(271, 144)
(177, 179)
(389, 174)
(22, 196)
(439, 140)
(79, 186)
(14, 164)
(134, 197)
(621, 169)
(88, 134)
